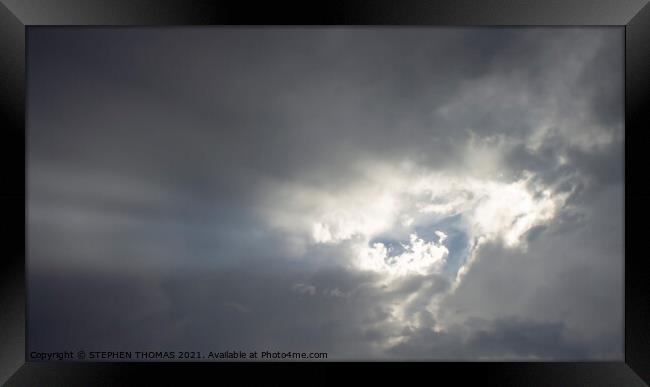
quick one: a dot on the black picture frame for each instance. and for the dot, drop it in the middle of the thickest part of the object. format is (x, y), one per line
(16, 16)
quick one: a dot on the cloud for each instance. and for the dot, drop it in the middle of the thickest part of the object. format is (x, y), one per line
(507, 338)
(568, 273)
(305, 289)
(425, 193)
(375, 236)
(418, 256)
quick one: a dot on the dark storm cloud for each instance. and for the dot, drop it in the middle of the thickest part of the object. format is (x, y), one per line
(153, 155)
(241, 103)
(249, 306)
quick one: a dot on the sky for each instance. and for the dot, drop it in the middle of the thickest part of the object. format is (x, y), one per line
(374, 193)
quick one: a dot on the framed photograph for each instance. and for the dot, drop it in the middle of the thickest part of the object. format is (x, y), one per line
(200, 187)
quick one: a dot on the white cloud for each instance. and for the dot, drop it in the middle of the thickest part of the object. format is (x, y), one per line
(394, 201)
(379, 224)
(419, 257)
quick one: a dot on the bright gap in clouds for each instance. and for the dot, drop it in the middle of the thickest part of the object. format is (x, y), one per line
(396, 220)
(404, 223)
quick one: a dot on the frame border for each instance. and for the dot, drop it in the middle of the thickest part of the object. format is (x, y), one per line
(17, 15)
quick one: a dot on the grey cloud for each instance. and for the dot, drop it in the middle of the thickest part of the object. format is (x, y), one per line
(281, 103)
(508, 338)
(570, 273)
(249, 306)
(153, 153)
